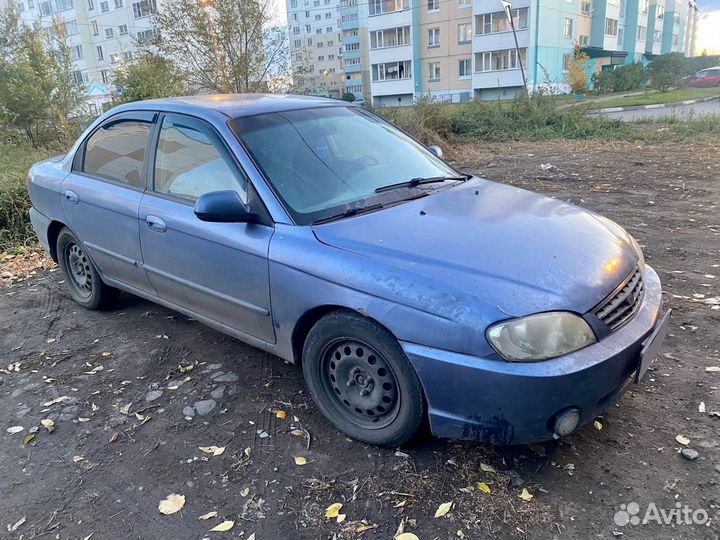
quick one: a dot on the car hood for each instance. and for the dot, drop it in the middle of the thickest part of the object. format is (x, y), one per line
(513, 249)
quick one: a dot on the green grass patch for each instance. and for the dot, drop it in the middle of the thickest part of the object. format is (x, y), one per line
(15, 161)
(653, 98)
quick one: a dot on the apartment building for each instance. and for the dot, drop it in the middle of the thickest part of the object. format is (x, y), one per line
(100, 32)
(457, 50)
(316, 47)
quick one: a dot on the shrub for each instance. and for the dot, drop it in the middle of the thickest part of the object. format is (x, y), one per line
(427, 120)
(577, 76)
(668, 70)
(621, 79)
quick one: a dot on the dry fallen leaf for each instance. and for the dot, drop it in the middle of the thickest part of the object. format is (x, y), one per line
(280, 415)
(251, 537)
(48, 424)
(78, 459)
(224, 526)
(14, 429)
(712, 369)
(406, 536)
(244, 492)
(482, 486)
(173, 503)
(333, 510)
(341, 518)
(28, 438)
(61, 399)
(681, 439)
(299, 460)
(298, 432)
(208, 515)
(525, 495)
(598, 425)
(487, 468)
(443, 509)
(214, 450)
(106, 354)
(18, 523)
(114, 437)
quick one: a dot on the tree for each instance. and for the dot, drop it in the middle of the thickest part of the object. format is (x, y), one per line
(221, 45)
(667, 70)
(148, 76)
(577, 75)
(38, 93)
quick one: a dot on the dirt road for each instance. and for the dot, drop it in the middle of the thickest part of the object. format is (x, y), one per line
(134, 392)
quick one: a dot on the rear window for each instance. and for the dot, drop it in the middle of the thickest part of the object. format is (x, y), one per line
(116, 151)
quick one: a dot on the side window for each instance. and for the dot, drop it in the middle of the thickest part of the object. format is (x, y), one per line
(192, 160)
(116, 151)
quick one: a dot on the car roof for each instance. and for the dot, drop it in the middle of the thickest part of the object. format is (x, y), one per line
(235, 105)
(708, 69)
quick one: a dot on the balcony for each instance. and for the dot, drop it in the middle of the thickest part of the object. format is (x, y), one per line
(497, 79)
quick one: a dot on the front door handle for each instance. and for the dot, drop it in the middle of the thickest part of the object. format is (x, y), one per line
(71, 196)
(155, 223)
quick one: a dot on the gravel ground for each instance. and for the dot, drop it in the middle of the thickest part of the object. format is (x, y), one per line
(134, 392)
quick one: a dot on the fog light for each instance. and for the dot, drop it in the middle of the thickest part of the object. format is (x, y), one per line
(566, 422)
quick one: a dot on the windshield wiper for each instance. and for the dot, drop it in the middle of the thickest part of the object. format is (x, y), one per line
(414, 182)
(348, 213)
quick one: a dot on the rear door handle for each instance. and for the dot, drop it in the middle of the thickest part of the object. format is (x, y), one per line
(71, 196)
(155, 223)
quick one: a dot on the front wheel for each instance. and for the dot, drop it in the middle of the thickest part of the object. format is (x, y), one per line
(361, 380)
(82, 278)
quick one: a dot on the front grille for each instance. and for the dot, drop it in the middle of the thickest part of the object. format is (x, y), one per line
(622, 304)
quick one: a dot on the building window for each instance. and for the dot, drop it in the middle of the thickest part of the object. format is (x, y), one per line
(567, 58)
(642, 33)
(99, 51)
(118, 4)
(115, 58)
(31, 4)
(293, 4)
(659, 11)
(464, 4)
(585, 8)
(308, 28)
(122, 30)
(491, 23)
(317, 17)
(79, 76)
(433, 5)
(71, 28)
(584, 41)
(390, 37)
(611, 26)
(147, 36)
(658, 36)
(621, 34)
(296, 30)
(318, 30)
(104, 7)
(109, 33)
(328, 15)
(392, 71)
(328, 29)
(675, 40)
(499, 60)
(567, 28)
(91, 5)
(464, 68)
(321, 58)
(464, 33)
(434, 71)
(94, 26)
(77, 52)
(144, 8)
(298, 43)
(433, 37)
(352, 46)
(378, 7)
(643, 6)
(62, 5)
(21, 7)
(104, 76)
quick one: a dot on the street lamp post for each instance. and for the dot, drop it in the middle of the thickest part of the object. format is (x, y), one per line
(507, 7)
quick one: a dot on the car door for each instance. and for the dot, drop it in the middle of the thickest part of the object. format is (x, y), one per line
(216, 270)
(101, 196)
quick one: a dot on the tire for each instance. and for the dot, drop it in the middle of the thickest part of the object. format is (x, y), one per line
(82, 278)
(360, 378)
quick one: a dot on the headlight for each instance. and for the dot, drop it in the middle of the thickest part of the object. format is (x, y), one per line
(639, 251)
(540, 337)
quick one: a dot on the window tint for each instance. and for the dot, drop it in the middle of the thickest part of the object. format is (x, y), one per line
(191, 160)
(117, 150)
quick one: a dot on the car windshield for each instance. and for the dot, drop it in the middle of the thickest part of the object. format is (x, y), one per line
(324, 161)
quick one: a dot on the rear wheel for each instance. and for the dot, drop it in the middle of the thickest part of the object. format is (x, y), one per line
(82, 278)
(362, 381)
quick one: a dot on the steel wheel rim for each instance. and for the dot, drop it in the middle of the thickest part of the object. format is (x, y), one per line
(360, 383)
(79, 271)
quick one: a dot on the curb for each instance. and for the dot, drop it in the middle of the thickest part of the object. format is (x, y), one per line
(653, 106)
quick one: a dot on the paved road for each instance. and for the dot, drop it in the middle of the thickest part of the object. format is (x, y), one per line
(698, 109)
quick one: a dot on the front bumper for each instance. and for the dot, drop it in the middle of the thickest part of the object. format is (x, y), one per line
(502, 402)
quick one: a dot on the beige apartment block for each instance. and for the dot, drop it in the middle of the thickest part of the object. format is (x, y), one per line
(445, 48)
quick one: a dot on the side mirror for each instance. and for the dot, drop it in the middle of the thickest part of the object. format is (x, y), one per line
(223, 207)
(436, 150)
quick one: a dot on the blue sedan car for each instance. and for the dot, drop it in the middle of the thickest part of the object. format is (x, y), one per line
(409, 291)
